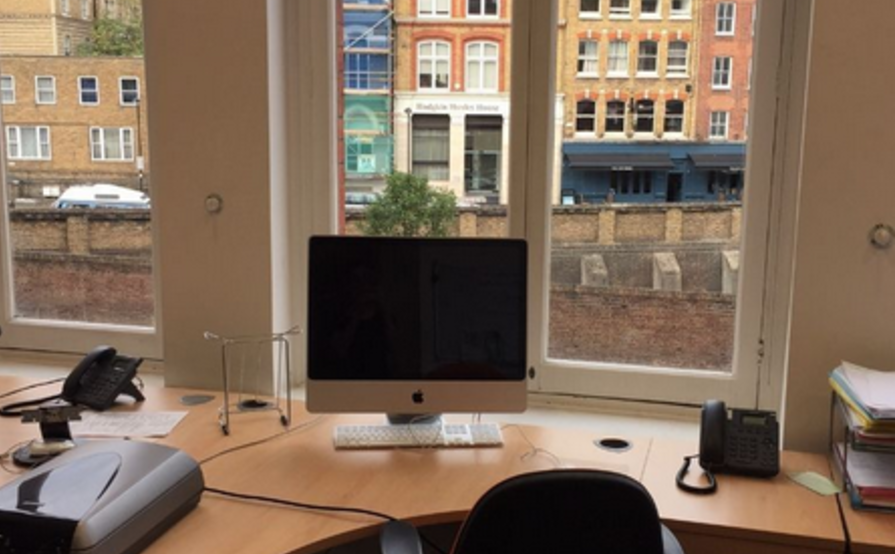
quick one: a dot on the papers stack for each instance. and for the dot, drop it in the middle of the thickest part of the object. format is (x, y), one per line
(866, 458)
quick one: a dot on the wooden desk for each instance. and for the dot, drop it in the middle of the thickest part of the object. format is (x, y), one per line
(441, 485)
(869, 532)
(746, 515)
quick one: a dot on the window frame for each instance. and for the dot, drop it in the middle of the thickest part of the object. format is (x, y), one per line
(122, 92)
(4, 90)
(582, 117)
(725, 23)
(82, 90)
(620, 9)
(683, 12)
(625, 50)
(647, 57)
(722, 77)
(585, 57)
(615, 117)
(590, 13)
(445, 129)
(85, 9)
(679, 117)
(433, 12)
(482, 15)
(432, 59)
(40, 132)
(38, 92)
(479, 64)
(677, 71)
(655, 14)
(125, 140)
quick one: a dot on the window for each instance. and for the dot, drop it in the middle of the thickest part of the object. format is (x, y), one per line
(680, 8)
(481, 67)
(66, 7)
(615, 116)
(586, 116)
(725, 14)
(481, 169)
(111, 144)
(647, 58)
(45, 89)
(85, 9)
(589, 8)
(620, 8)
(129, 88)
(677, 59)
(481, 8)
(721, 72)
(588, 58)
(431, 146)
(631, 182)
(360, 156)
(366, 71)
(434, 8)
(7, 89)
(718, 125)
(644, 111)
(618, 59)
(649, 9)
(28, 143)
(674, 116)
(434, 65)
(88, 91)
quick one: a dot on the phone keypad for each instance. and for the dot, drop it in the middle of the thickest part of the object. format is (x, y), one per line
(752, 450)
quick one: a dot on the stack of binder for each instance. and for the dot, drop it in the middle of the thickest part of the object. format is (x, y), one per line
(864, 453)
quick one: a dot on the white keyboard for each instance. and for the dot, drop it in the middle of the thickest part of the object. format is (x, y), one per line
(417, 435)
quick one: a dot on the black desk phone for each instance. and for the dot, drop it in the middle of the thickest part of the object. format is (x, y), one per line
(748, 443)
(100, 377)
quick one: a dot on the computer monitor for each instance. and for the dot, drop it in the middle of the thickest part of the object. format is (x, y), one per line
(413, 326)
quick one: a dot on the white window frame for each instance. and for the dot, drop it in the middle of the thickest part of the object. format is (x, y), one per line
(478, 64)
(586, 58)
(483, 15)
(590, 14)
(82, 90)
(621, 9)
(681, 116)
(121, 91)
(682, 11)
(625, 50)
(38, 91)
(7, 89)
(433, 61)
(656, 14)
(642, 58)
(85, 9)
(66, 7)
(592, 118)
(433, 9)
(719, 125)
(725, 19)
(722, 73)
(676, 71)
(125, 141)
(14, 143)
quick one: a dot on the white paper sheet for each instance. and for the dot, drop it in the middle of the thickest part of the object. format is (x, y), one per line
(125, 424)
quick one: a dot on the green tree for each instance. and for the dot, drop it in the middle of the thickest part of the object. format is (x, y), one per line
(409, 207)
(114, 37)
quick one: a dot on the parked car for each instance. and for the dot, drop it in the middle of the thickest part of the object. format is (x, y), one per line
(360, 199)
(101, 196)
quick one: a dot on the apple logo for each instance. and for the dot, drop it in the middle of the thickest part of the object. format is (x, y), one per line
(417, 397)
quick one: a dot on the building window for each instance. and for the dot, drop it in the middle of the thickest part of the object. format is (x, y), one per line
(718, 125)
(482, 157)
(615, 116)
(677, 59)
(360, 155)
(588, 58)
(366, 71)
(725, 16)
(88, 91)
(647, 58)
(721, 72)
(366, 36)
(66, 46)
(66, 7)
(586, 116)
(680, 8)
(618, 59)
(481, 8)
(111, 144)
(644, 112)
(431, 147)
(481, 67)
(45, 89)
(620, 8)
(589, 8)
(649, 9)
(7, 89)
(435, 8)
(28, 143)
(434, 65)
(85, 9)
(631, 182)
(674, 116)
(129, 88)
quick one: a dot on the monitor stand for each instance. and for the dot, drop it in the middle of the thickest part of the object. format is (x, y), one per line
(414, 419)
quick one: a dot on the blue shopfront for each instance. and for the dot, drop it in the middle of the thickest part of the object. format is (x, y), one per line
(651, 172)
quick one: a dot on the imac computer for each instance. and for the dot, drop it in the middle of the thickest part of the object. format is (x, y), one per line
(416, 326)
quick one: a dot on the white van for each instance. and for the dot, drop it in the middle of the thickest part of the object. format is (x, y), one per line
(101, 196)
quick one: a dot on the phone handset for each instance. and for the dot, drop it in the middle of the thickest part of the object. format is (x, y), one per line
(712, 435)
(100, 378)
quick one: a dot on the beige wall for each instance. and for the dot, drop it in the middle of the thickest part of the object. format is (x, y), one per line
(844, 290)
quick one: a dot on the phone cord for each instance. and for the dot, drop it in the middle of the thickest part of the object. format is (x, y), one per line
(684, 486)
(11, 410)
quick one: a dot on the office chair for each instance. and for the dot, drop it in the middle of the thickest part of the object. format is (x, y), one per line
(568, 511)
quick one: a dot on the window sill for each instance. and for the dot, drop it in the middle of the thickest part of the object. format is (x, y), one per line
(616, 75)
(589, 16)
(587, 75)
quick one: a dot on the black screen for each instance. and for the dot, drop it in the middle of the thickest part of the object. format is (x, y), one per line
(416, 309)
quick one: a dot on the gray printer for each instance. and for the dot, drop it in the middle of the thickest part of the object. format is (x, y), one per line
(102, 497)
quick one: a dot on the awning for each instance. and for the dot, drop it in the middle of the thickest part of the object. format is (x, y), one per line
(619, 162)
(732, 162)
